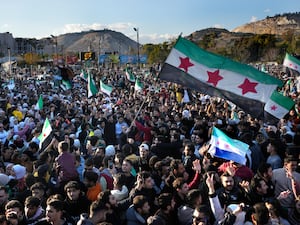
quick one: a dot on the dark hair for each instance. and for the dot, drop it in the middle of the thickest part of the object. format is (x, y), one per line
(63, 146)
(104, 196)
(91, 176)
(97, 206)
(144, 175)
(72, 184)
(165, 200)
(261, 213)
(14, 204)
(39, 186)
(290, 158)
(190, 147)
(175, 164)
(192, 196)
(139, 201)
(32, 201)
(56, 204)
(255, 182)
(263, 168)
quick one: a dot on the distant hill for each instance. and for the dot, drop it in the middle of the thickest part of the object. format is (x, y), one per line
(94, 40)
(278, 25)
(263, 40)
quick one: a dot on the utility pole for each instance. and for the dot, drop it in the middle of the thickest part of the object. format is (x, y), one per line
(136, 29)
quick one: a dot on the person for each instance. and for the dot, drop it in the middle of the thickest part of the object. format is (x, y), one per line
(116, 214)
(3, 198)
(138, 212)
(265, 172)
(97, 214)
(55, 212)
(143, 159)
(229, 192)
(181, 190)
(188, 158)
(260, 215)
(145, 186)
(225, 214)
(258, 191)
(201, 216)
(126, 170)
(39, 190)
(14, 212)
(120, 191)
(93, 186)
(273, 158)
(166, 213)
(33, 210)
(185, 212)
(65, 164)
(285, 179)
(294, 212)
(76, 202)
(275, 212)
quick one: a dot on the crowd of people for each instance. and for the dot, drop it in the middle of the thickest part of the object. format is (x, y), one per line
(142, 157)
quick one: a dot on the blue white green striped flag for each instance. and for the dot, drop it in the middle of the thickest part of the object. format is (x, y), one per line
(224, 147)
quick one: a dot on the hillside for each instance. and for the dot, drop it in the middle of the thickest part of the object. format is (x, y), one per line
(264, 40)
(95, 40)
(278, 25)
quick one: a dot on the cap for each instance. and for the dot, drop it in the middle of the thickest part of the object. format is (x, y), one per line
(145, 146)
(110, 150)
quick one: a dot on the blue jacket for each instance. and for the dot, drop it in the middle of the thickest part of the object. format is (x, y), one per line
(133, 217)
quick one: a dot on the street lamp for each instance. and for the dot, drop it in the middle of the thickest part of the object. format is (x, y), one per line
(136, 29)
(9, 61)
(55, 42)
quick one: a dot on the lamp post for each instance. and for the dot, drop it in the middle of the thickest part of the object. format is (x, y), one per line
(55, 42)
(136, 29)
(9, 61)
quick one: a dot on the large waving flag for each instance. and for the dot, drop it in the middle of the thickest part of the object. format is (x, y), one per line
(40, 103)
(291, 62)
(224, 147)
(92, 89)
(195, 68)
(106, 89)
(46, 136)
(278, 106)
(129, 75)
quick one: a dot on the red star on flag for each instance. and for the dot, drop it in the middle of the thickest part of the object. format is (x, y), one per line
(185, 63)
(214, 77)
(273, 107)
(248, 86)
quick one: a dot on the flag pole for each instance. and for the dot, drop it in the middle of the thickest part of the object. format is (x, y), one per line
(138, 112)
